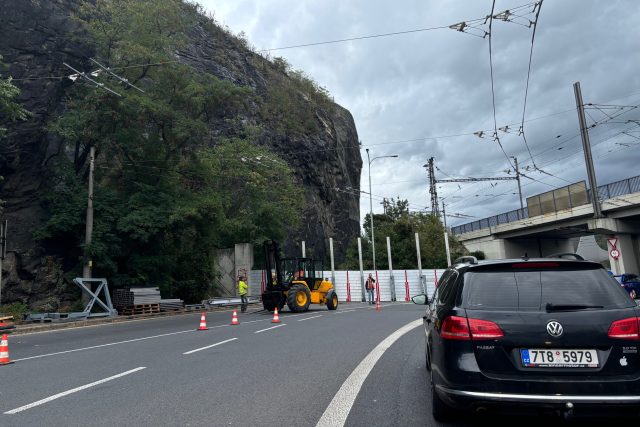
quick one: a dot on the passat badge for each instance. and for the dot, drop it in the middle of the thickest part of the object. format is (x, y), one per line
(554, 328)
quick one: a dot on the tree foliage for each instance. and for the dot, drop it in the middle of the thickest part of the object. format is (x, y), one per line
(10, 110)
(168, 193)
(401, 225)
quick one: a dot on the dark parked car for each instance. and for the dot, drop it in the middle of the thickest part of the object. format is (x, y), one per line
(549, 334)
(631, 283)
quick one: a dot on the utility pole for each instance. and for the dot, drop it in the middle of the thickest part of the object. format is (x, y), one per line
(433, 181)
(86, 270)
(515, 161)
(586, 146)
(435, 210)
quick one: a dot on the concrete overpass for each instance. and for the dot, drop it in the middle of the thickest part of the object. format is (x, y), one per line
(514, 234)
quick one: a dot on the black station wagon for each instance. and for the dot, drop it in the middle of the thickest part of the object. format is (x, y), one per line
(548, 334)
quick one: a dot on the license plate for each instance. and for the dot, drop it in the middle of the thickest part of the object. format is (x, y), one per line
(558, 358)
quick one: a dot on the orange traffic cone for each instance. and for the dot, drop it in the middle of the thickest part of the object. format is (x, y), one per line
(203, 323)
(4, 350)
(234, 319)
(276, 318)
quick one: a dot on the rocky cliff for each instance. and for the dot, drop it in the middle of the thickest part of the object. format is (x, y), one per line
(37, 37)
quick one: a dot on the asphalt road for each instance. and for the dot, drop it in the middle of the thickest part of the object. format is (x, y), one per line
(164, 372)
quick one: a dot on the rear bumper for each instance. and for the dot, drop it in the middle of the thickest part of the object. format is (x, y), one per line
(468, 398)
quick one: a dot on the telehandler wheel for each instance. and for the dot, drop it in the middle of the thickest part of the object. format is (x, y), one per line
(298, 298)
(332, 300)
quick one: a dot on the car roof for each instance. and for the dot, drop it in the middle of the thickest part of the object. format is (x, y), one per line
(487, 262)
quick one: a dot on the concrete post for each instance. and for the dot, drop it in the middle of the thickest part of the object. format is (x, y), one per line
(364, 298)
(422, 284)
(243, 259)
(392, 284)
(446, 247)
(333, 269)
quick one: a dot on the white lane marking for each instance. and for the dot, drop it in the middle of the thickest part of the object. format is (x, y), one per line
(209, 346)
(338, 410)
(345, 311)
(125, 342)
(105, 345)
(273, 327)
(73, 390)
(307, 318)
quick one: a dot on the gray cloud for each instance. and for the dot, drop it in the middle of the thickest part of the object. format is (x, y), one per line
(436, 83)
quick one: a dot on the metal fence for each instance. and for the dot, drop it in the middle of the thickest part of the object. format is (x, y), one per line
(349, 285)
(607, 191)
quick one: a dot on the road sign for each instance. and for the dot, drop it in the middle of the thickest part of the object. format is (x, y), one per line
(613, 242)
(615, 254)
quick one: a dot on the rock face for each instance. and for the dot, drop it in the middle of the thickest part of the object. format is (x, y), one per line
(38, 36)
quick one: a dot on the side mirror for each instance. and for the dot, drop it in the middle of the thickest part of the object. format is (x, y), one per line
(420, 299)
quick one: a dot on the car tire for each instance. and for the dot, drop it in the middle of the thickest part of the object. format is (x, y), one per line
(439, 409)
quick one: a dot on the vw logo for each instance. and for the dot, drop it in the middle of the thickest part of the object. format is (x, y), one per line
(554, 328)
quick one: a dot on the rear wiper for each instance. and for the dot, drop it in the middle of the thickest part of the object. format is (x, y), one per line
(568, 307)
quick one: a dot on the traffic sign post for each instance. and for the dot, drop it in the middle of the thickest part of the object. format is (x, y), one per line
(614, 252)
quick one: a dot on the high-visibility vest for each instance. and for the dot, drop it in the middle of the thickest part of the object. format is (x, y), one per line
(242, 287)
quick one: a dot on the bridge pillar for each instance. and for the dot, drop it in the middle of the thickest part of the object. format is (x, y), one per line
(627, 243)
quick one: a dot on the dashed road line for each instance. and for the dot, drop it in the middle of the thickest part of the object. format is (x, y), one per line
(273, 327)
(209, 346)
(307, 318)
(73, 390)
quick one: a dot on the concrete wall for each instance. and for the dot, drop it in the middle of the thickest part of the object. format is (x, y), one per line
(231, 263)
(225, 270)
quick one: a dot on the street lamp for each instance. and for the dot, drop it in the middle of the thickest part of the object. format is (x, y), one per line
(373, 240)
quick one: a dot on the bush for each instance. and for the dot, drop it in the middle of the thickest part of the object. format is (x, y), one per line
(17, 310)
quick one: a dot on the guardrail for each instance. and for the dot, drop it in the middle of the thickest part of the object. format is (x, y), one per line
(606, 191)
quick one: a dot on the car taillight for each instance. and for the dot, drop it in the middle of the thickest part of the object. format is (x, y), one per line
(484, 330)
(626, 329)
(459, 328)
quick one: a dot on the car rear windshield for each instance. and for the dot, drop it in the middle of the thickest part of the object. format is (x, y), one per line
(533, 290)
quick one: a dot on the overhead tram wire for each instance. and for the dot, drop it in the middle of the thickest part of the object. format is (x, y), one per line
(372, 36)
(526, 90)
(493, 93)
(113, 69)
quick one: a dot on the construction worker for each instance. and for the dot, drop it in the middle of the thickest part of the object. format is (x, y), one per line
(242, 291)
(371, 287)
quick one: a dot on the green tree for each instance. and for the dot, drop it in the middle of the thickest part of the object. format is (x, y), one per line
(401, 225)
(167, 193)
(10, 110)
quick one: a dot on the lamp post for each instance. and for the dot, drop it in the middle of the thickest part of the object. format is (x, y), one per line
(373, 240)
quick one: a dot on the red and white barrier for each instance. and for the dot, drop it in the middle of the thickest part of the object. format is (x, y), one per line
(406, 286)
(348, 288)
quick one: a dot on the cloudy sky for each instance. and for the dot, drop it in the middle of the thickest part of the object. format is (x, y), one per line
(424, 94)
